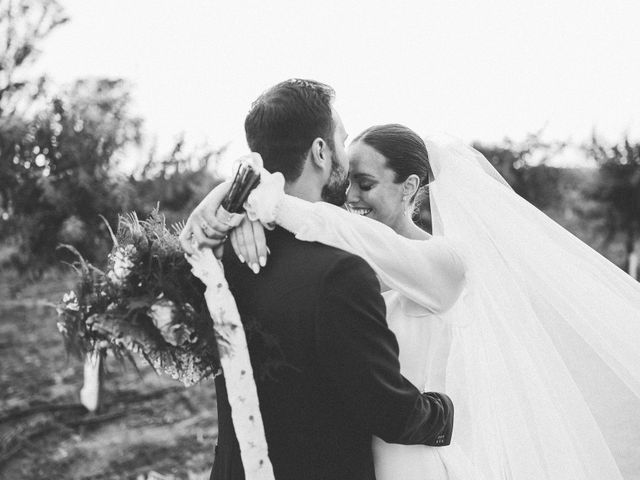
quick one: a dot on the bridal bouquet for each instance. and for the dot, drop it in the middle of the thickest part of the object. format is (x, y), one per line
(146, 301)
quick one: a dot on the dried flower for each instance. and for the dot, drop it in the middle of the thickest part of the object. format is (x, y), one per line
(70, 301)
(122, 258)
(162, 313)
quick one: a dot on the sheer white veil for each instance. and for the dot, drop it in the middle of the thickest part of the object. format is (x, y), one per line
(535, 296)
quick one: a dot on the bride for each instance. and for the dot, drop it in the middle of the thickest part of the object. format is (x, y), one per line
(498, 348)
(422, 276)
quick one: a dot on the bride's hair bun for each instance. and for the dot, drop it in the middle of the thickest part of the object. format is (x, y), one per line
(404, 149)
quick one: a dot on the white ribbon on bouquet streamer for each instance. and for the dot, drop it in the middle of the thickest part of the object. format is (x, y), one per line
(236, 365)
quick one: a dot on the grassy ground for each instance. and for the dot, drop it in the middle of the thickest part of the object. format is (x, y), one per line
(149, 428)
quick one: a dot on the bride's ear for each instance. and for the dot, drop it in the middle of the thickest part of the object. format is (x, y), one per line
(410, 186)
(320, 154)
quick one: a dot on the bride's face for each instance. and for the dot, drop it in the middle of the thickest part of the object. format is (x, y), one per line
(373, 191)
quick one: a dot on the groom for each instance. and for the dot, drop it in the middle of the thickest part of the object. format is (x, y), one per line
(325, 362)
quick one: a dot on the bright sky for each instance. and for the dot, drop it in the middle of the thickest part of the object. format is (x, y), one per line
(480, 69)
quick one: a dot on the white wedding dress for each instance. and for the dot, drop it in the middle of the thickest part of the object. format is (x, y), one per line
(424, 279)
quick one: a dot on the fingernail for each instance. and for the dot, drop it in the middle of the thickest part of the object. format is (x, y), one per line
(268, 250)
(241, 258)
(255, 268)
(263, 261)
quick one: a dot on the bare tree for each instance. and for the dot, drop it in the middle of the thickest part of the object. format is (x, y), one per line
(24, 24)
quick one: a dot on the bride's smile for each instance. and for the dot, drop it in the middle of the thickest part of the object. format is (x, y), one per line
(358, 210)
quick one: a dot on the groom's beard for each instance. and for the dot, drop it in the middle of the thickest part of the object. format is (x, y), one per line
(335, 191)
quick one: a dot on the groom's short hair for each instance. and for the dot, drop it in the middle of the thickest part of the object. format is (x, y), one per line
(285, 120)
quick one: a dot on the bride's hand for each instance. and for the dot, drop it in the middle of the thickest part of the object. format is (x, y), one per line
(203, 228)
(250, 244)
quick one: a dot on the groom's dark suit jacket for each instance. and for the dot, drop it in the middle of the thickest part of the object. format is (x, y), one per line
(326, 367)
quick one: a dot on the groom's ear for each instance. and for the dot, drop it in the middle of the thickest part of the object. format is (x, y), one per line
(320, 153)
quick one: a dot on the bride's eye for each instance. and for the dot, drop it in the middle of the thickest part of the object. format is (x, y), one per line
(366, 186)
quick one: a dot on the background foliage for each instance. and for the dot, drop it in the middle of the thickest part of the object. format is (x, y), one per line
(62, 148)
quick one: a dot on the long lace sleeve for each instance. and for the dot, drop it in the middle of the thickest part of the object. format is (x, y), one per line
(429, 272)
